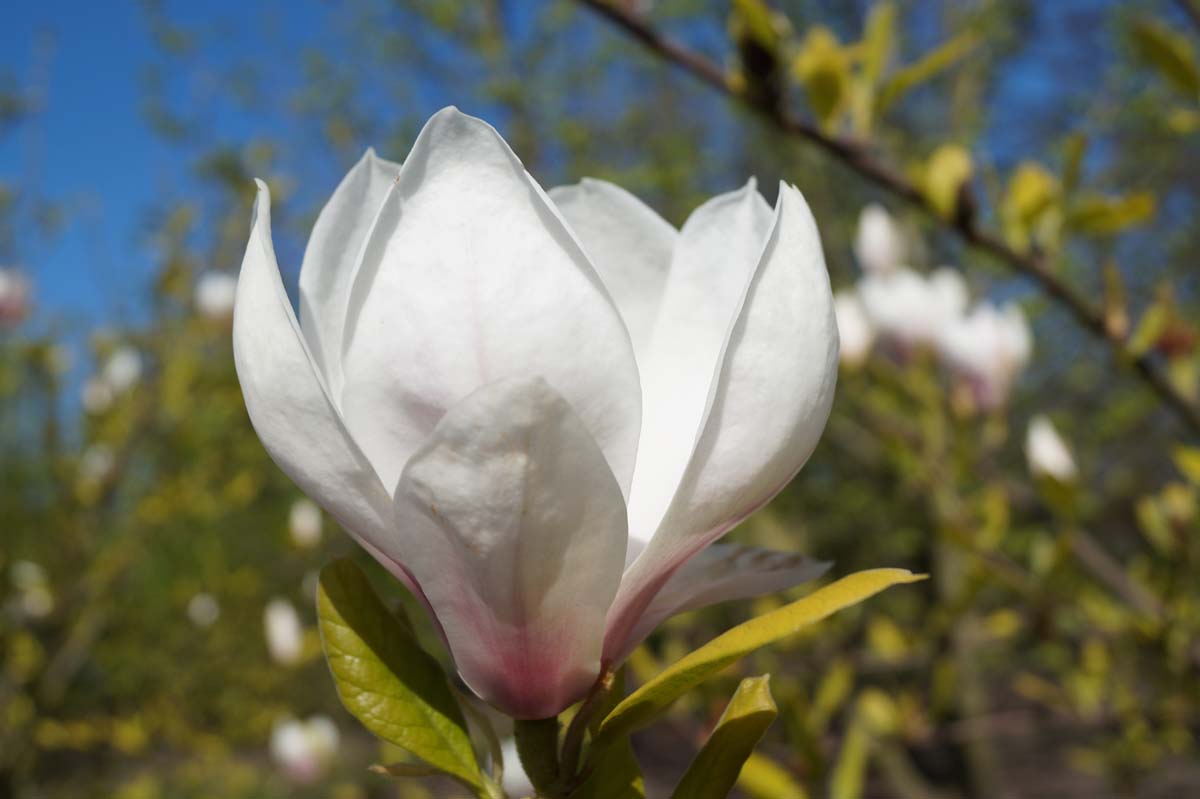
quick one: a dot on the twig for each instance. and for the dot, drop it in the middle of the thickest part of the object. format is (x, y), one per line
(858, 158)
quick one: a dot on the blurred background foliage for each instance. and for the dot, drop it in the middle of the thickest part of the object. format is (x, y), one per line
(1055, 650)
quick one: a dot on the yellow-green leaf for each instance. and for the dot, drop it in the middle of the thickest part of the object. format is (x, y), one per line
(924, 69)
(822, 66)
(1032, 197)
(715, 769)
(1168, 52)
(1187, 461)
(384, 678)
(849, 773)
(1104, 216)
(646, 703)
(756, 19)
(763, 778)
(614, 775)
(947, 170)
(878, 35)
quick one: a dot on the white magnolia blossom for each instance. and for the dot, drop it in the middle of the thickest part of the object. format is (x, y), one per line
(854, 328)
(97, 462)
(911, 309)
(304, 750)
(988, 347)
(304, 523)
(1047, 453)
(15, 295)
(539, 411)
(215, 293)
(34, 597)
(96, 395)
(203, 610)
(284, 633)
(123, 369)
(516, 782)
(879, 243)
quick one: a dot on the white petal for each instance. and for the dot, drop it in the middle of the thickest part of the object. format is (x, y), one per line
(332, 257)
(629, 244)
(721, 573)
(878, 243)
(471, 276)
(288, 405)
(515, 525)
(718, 248)
(768, 408)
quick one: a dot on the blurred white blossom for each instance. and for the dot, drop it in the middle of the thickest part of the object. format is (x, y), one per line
(284, 633)
(1047, 452)
(34, 597)
(516, 782)
(304, 523)
(203, 609)
(879, 244)
(304, 749)
(911, 309)
(96, 463)
(123, 369)
(989, 348)
(15, 295)
(97, 396)
(215, 292)
(854, 328)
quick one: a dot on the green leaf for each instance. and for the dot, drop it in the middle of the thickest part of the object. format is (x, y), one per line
(1169, 53)
(384, 678)
(1104, 216)
(645, 704)
(614, 775)
(823, 68)
(763, 778)
(1187, 461)
(758, 21)
(924, 69)
(878, 35)
(715, 769)
(1032, 195)
(850, 771)
(947, 170)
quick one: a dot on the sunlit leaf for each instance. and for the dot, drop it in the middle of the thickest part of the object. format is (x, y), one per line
(923, 70)
(850, 770)
(947, 170)
(1104, 216)
(821, 66)
(1029, 206)
(645, 704)
(384, 678)
(878, 37)
(763, 778)
(714, 771)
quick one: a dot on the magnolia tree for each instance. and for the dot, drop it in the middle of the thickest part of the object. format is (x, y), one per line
(560, 427)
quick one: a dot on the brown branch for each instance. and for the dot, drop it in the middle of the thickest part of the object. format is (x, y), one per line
(858, 157)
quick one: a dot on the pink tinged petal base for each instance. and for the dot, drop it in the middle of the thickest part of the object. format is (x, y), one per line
(470, 276)
(515, 525)
(722, 573)
(769, 404)
(291, 410)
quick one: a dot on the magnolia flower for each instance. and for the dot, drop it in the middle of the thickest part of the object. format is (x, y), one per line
(304, 749)
(304, 524)
(910, 309)
(122, 370)
(96, 395)
(35, 599)
(284, 634)
(203, 610)
(539, 411)
(878, 244)
(215, 292)
(516, 782)
(989, 347)
(854, 329)
(1048, 455)
(15, 292)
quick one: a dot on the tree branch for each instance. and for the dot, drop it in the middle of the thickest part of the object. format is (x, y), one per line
(858, 157)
